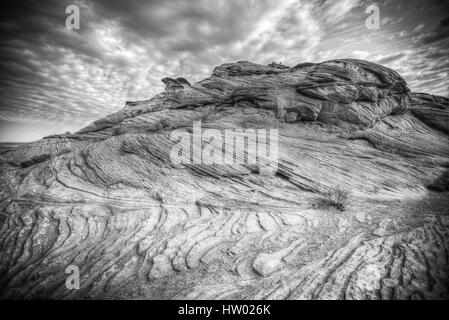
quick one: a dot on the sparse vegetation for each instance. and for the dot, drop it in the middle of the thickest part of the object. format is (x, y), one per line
(338, 197)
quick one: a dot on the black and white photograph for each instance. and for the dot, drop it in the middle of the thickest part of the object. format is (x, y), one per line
(237, 150)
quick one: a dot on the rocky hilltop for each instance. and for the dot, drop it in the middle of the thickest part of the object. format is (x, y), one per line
(357, 208)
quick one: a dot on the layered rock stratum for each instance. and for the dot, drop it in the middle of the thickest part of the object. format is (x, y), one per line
(108, 200)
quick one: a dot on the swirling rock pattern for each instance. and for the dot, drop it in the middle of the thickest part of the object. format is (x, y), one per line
(109, 200)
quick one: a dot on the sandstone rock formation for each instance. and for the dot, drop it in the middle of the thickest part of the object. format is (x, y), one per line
(109, 200)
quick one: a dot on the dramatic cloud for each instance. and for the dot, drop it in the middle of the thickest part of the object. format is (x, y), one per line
(52, 77)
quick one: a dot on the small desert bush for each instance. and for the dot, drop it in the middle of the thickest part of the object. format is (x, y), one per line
(441, 184)
(337, 197)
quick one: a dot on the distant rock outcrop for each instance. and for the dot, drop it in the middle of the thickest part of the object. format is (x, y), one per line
(109, 200)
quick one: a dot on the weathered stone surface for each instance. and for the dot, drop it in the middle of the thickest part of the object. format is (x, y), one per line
(109, 200)
(431, 110)
(291, 117)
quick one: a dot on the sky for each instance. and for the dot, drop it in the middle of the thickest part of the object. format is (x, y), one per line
(53, 79)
